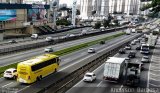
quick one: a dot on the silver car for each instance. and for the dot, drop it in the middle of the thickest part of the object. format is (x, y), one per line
(145, 59)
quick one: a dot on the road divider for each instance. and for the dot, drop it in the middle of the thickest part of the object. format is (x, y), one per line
(67, 50)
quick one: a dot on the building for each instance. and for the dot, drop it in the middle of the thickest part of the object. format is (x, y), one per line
(105, 7)
(20, 18)
(86, 8)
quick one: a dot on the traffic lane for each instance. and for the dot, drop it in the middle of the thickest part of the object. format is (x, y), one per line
(82, 87)
(79, 63)
(70, 58)
(74, 31)
(98, 86)
(94, 37)
(41, 39)
(7, 59)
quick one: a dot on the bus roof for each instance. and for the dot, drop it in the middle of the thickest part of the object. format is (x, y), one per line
(38, 59)
(115, 60)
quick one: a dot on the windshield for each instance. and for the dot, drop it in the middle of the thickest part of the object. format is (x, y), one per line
(8, 72)
(145, 57)
(145, 48)
(88, 75)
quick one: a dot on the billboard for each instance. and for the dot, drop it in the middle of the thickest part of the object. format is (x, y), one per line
(37, 14)
(7, 15)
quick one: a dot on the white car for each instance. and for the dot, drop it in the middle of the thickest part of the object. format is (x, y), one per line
(133, 43)
(128, 47)
(145, 59)
(10, 73)
(91, 50)
(48, 49)
(89, 77)
(12, 41)
(49, 38)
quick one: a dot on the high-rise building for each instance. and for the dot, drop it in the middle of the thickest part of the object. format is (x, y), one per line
(86, 8)
(105, 7)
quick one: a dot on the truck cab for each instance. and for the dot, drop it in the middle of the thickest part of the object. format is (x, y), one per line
(133, 73)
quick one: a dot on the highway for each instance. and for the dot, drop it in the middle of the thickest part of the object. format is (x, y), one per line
(42, 38)
(17, 57)
(66, 66)
(102, 86)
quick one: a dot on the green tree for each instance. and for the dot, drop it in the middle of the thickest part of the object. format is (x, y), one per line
(106, 23)
(154, 6)
(116, 22)
(97, 25)
(63, 22)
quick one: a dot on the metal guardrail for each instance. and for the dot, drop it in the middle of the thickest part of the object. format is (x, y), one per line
(95, 61)
(23, 47)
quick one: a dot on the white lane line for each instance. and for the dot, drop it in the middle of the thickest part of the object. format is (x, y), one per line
(99, 84)
(149, 70)
(154, 79)
(22, 89)
(7, 84)
(154, 85)
(121, 87)
(154, 75)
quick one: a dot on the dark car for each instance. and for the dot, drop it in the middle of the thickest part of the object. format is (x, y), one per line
(132, 54)
(102, 42)
(122, 51)
(138, 47)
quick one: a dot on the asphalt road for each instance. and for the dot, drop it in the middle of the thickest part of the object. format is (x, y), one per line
(154, 74)
(42, 38)
(12, 58)
(67, 62)
(102, 86)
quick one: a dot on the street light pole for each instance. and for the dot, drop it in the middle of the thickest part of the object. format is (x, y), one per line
(54, 5)
(74, 12)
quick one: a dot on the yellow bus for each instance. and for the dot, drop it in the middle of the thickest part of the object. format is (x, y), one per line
(36, 68)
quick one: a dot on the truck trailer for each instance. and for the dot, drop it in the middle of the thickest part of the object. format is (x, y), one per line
(113, 69)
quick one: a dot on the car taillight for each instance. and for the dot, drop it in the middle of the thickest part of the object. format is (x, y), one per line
(29, 77)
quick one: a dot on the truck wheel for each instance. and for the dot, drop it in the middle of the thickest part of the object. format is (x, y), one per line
(14, 77)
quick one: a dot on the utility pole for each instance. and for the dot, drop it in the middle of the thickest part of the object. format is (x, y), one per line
(54, 6)
(74, 12)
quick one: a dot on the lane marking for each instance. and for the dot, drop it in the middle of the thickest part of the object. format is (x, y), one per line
(7, 84)
(155, 75)
(99, 84)
(149, 70)
(154, 79)
(121, 87)
(154, 85)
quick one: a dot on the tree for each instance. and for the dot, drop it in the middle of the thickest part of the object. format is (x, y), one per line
(97, 25)
(154, 6)
(116, 22)
(78, 12)
(63, 22)
(106, 23)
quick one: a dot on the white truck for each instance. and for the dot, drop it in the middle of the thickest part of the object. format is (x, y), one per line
(113, 69)
(128, 31)
(152, 40)
(133, 30)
